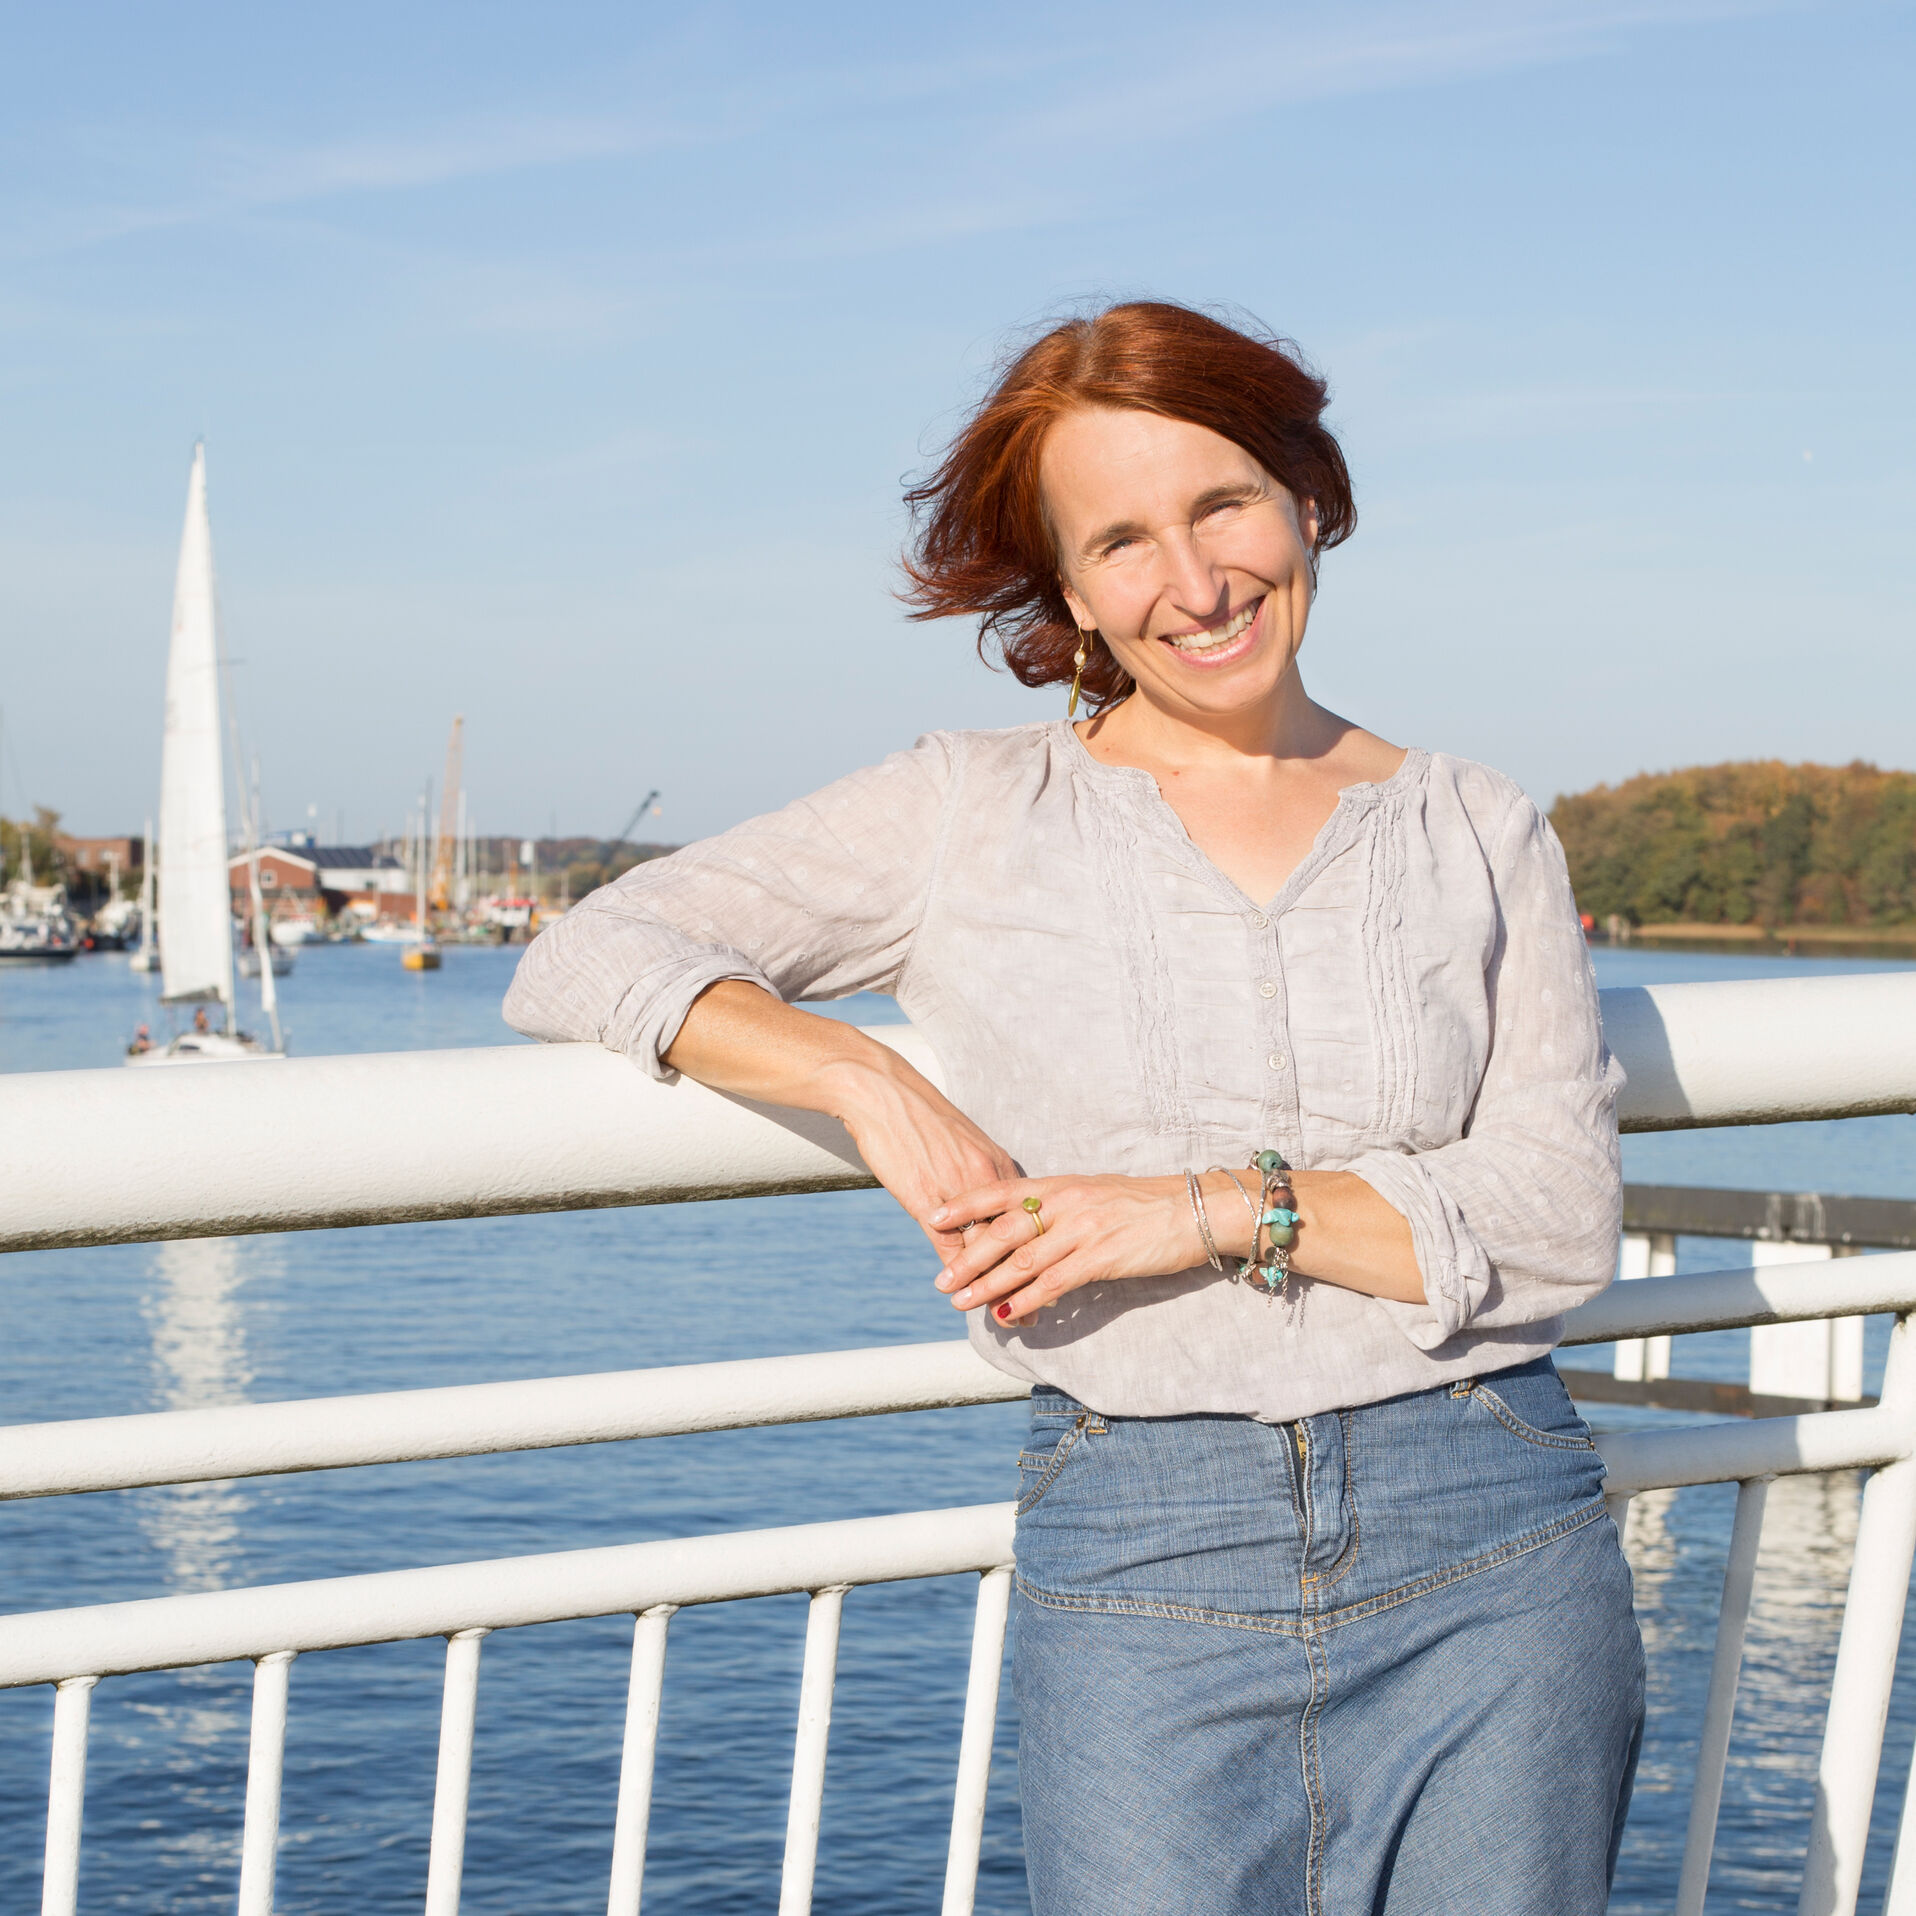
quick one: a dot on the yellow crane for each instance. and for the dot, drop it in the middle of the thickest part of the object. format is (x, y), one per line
(446, 848)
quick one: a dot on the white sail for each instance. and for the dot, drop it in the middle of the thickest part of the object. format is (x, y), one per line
(196, 908)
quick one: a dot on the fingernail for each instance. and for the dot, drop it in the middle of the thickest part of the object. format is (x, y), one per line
(945, 1280)
(1002, 1312)
(942, 1212)
(963, 1299)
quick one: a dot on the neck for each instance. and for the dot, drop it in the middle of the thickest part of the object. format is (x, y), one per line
(1289, 724)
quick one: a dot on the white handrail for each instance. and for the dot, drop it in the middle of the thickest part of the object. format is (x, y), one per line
(104, 1157)
(335, 1613)
(470, 1420)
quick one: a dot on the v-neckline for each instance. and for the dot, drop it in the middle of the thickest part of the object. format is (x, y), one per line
(1351, 800)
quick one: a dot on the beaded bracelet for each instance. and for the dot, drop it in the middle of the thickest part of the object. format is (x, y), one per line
(1272, 1265)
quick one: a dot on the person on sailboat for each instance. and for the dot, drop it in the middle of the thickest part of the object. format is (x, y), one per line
(200, 1021)
(142, 1043)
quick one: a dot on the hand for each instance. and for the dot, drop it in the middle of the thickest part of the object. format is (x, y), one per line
(914, 1140)
(1094, 1228)
(919, 1146)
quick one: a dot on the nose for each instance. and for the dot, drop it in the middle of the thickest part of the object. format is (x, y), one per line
(1196, 586)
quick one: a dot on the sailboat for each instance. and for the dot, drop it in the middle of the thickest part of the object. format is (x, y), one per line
(422, 949)
(195, 887)
(147, 958)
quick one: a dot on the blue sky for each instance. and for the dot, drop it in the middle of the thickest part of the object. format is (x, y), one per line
(558, 365)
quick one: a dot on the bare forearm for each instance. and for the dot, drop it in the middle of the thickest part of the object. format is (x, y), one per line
(741, 1039)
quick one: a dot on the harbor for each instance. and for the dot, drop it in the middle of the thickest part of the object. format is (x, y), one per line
(1207, 572)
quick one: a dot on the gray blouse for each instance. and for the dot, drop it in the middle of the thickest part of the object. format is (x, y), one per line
(1415, 1005)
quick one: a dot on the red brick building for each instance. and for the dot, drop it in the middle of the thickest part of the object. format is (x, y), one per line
(321, 881)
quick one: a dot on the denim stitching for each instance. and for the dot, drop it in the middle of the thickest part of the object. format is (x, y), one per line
(1340, 1568)
(1543, 1439)
(1061, 1451)
(1314, 1774)
(1356, 1613)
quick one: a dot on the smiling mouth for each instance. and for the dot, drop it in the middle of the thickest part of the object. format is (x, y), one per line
(1214, 638)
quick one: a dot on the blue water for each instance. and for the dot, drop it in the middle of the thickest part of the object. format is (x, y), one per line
(132, 1328)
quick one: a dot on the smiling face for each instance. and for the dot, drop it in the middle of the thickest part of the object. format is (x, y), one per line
(1189, 559)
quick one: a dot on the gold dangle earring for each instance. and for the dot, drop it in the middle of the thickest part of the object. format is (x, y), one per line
(1077, 659)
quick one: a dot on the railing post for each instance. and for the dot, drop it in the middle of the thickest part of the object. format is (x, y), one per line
(1865, 1664)
(1846, 1346)
(265, 1766)
(975, 1741)
(458, 1712)
(66, 1796)
(808, 1754)
(635, 1765)
(1633, 1260)
(1719, 1709)
(1791, 1360)
(1644, 1254)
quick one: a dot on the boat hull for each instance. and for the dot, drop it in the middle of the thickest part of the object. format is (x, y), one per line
(208, 1047)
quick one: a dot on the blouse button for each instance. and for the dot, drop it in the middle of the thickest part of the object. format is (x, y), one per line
(1268, 989)
(1277, 1061)
(1259, 922)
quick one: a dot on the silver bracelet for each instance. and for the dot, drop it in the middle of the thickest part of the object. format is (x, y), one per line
(1195, 1192)
(1243, 1270)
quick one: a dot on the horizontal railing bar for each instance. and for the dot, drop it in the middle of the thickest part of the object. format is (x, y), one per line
(115, 1156)
(335, 1613)
(1759, 1447)
(1732, 1300)
(470, 1420)
(1795, 1217)
(386, 1606)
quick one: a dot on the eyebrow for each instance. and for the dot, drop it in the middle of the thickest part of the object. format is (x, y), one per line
(1130, 528)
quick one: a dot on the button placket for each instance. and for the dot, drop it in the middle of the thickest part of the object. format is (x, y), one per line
(1277, 1113)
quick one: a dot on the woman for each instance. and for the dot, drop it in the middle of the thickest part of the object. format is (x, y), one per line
(1318, 1608)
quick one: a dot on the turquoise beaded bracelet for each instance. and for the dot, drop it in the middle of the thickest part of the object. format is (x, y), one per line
(1276, 1222)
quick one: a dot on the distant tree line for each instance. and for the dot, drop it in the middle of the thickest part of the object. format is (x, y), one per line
(1747, 844)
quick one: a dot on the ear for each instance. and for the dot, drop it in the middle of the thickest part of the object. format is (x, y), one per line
(1307, 522)
(1081, 614)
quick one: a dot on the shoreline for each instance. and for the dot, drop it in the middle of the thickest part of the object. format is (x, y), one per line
(1780, 941)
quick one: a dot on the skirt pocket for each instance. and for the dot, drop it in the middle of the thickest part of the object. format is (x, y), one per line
(1531, 1402)
(1054, 1436)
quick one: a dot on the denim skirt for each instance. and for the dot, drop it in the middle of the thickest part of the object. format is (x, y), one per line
(1381, 1660)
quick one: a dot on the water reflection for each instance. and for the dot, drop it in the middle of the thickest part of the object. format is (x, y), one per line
(1677, 1544)
(200, 1360)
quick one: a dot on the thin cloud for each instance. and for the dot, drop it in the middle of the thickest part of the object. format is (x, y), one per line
(1127, 84)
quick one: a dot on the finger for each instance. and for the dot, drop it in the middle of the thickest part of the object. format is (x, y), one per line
(1024, 1303)
(1014, 1273)
(988, 1244)
(983, 1201)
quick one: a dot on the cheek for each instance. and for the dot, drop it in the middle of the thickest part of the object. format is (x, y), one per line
(1119, 606)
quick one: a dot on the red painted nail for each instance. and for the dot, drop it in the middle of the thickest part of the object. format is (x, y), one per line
(1001, 1312)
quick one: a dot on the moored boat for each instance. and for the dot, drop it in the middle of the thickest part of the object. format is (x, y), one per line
(195, 888)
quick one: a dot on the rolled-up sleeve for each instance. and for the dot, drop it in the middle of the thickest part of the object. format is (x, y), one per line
(1517, 1221)
(818, 900)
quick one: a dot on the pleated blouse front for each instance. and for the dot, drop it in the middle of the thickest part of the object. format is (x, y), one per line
(1416, 1005)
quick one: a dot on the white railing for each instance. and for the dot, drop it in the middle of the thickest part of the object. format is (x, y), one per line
(104, 1157)
(100, 1157)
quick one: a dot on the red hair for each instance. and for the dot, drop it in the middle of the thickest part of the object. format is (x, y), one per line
(981, 546)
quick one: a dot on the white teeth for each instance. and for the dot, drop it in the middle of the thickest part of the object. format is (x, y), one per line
(1222, 635)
